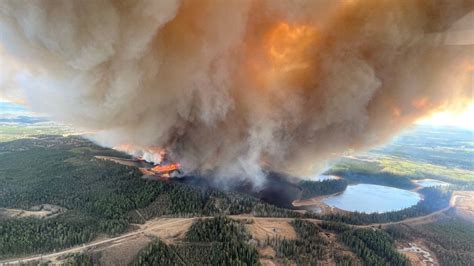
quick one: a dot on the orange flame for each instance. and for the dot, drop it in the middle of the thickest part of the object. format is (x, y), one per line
(166, 168)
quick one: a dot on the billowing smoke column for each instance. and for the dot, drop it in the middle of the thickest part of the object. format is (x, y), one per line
(234, 87)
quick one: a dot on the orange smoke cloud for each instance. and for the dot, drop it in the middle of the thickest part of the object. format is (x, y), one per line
(225, 85)
(287, 46)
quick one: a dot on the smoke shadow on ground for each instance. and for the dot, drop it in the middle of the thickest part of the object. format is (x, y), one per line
(277, 190)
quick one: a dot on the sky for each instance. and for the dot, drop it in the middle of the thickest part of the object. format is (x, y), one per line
(463, 119)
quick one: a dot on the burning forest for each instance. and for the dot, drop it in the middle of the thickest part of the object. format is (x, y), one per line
(234, 88)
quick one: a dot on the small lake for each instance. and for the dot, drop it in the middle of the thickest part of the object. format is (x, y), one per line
(430, 183)
(373, 198)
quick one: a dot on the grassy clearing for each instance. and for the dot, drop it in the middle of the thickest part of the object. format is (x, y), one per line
(421, 170)
(18, 131)
(396, 166)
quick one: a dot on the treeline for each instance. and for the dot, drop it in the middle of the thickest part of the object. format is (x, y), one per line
(312, 189)
(216, 241)
(229, 241)
(79, 259)
(266, 210)
(29, 235)
(308, 249)
(157, 253)
(451, 239)
(108, 195)
(434, 199)
(362, 172)
(219, 229)
(311, 246)
(373, 246)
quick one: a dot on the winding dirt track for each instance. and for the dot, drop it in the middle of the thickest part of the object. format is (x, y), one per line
(163, 225)
(149, 227)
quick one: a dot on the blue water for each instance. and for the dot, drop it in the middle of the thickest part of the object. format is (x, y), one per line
(373, 198)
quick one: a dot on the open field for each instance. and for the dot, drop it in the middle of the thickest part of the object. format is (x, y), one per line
(418, 254)
(164, 228)
(463, 201)
(13, 132)
(262, 229)
(40, 211)
(416, 169)
(443, 153)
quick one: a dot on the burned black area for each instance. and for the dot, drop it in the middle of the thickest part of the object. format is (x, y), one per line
(276, 190)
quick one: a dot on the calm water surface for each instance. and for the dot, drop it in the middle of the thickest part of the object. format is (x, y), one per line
(373, 198)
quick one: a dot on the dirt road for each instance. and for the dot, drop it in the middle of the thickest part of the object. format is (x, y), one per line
(169, 228)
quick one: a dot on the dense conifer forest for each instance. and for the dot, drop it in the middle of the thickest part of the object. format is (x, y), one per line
(320, 188)
(216, 241)
(373, 246)
(451, 239)
(99, 196)
(309, 248)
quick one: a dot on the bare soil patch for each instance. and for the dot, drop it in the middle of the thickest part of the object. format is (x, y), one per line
(417, 253)
(170, 228)
(463, 201)
(317, 203)
(42, 211)
(270, 228)
(124, 252)
(267, 252)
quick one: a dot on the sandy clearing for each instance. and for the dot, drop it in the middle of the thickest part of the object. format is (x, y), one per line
(418, 254)
(40, 211)
(16, 213)
(463, 201)
(151, 227)
(176, 229)
(124, 252)
(267, 252)
(270, 228)
(267, 262)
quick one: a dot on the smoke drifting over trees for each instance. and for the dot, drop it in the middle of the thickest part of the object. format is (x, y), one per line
(236, 86)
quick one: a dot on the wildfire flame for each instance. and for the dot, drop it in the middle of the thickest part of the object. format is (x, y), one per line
(151, 154)
(166, 168)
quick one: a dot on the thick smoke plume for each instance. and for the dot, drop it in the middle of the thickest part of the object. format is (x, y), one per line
(234, 87)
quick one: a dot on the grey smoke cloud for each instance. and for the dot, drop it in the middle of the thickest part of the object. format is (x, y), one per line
(234, 87)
